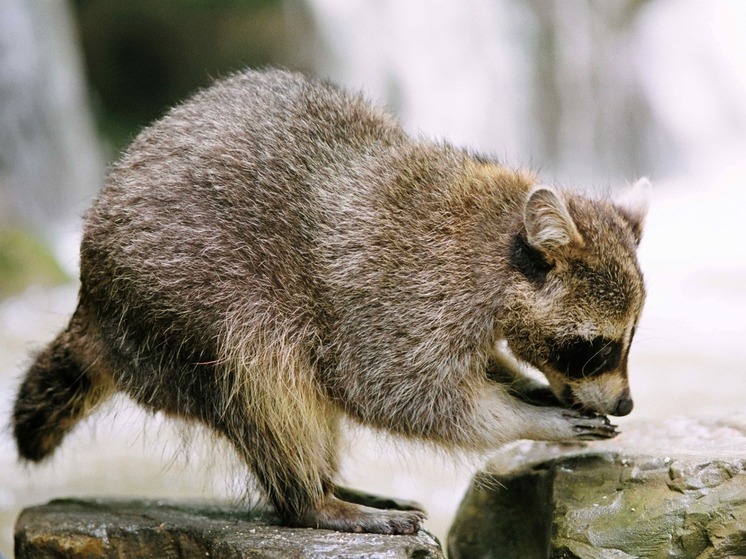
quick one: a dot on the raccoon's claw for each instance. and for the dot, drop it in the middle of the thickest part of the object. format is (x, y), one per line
(589, 426)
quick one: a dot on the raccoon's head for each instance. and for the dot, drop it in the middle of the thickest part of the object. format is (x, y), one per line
(579, 293)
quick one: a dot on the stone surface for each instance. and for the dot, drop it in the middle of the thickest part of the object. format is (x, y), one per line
(109, 528)
(674, 489)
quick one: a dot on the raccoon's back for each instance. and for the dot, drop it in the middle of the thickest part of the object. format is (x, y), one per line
(218, 206)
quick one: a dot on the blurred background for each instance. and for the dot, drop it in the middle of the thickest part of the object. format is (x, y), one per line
(591, 94)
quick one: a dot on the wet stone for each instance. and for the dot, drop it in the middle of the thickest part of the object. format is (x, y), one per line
(673, 489)
(140, 528)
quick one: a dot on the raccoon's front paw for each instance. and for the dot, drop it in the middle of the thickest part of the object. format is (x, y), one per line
(532, 392)
(588, 426)
(540, 395)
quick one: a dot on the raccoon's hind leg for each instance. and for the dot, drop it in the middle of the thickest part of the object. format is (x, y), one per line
(335, 514)
(375, 501)
(287, 432)
(65, 382)
(296, 468)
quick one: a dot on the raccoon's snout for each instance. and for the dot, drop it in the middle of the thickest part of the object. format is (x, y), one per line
(623, 407)
(591, 396)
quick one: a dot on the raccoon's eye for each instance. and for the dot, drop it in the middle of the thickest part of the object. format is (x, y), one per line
(580, 358)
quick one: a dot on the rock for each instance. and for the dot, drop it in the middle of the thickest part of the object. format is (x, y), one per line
(109, 528)
(673, 489)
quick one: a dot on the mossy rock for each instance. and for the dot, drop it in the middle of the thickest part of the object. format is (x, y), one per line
(673, 489)
(26, 260)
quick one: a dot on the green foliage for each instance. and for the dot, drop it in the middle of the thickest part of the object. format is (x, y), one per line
(26, 260)
(142, 57)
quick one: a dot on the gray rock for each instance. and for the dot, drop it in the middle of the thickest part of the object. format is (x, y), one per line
(138, 528)
(672, 489)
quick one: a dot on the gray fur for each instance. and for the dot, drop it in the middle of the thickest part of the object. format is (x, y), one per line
(275, 253)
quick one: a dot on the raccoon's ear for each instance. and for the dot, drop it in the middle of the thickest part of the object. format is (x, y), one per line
(549, 225)
(633, 204)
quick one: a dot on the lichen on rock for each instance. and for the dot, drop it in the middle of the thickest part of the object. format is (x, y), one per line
(674, 491)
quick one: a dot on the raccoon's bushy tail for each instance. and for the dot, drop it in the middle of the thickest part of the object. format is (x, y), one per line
(60, 388)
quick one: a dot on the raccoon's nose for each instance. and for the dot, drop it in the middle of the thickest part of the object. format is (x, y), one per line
(623, 406)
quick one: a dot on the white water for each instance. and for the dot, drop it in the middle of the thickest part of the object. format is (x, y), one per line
(441, 65)
(615, 97)
(689, 355)
(51, 161)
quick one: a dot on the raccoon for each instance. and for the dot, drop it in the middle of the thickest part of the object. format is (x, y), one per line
(276, 253)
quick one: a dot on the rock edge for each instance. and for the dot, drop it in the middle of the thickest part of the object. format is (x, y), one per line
(109, 528)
